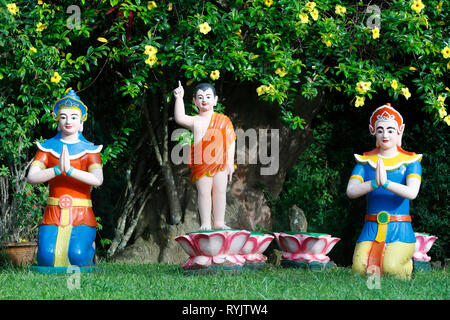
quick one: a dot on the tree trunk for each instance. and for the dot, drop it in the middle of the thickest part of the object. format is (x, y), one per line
(166, 167)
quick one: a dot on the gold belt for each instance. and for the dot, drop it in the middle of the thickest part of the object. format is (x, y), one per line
(66, 203)
(65, 200)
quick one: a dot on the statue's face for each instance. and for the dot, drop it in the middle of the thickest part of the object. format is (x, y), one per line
(205, 100)
(69, 121)
(387, 135)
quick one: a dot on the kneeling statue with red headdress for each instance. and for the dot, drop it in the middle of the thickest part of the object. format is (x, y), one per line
(390, 177)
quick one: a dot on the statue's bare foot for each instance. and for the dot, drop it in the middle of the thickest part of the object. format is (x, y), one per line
(205, 227)
(221, 226)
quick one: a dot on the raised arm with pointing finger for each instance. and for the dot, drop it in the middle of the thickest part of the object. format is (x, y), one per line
(211, 158)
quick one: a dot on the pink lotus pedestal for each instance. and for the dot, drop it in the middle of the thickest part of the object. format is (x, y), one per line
(424, 242)
(253, 250)
(214, 250)
(305, 249)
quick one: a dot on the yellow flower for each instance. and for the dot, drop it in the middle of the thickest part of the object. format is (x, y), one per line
(412, 69)
(326, 39)
(441, 100)
(41, 26)
(281, 72)
(303, 18)
(150, 50)
(439, 6)
(394, 84)
(268, 3)
(375, 33)
(446, 52)
(101, 39)
(311, 5)
(442, 112)
(314, 14)
(12, 8)
(151, 5)
(363, 87)
(417, 6)
(270, 89)
(261, 90)
(33, 49)
(55, 78)
(214, 75)
(170, 7)
(204, 28)
(448, 65)
(406, 93)
(151, 60)
(359, 101)
(447, 120)
(340, 10)
(40, 2)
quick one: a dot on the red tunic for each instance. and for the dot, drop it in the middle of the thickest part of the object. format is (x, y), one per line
(65, 185)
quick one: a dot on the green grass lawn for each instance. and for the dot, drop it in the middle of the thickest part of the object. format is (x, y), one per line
(162, 281)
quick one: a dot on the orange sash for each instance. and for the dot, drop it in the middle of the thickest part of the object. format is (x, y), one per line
(210, 155)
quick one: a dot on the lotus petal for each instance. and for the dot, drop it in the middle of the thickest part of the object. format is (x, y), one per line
(187, 245)
(331, 242)
(235, 241)
(314, 245)
(250, 246)
(429, 241)
(209, 244)
(321, 257)
(202, 261)
(290, 243)
(263, 244)
(219, 259)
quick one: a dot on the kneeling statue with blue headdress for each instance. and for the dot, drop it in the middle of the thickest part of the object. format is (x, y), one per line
(72, 166)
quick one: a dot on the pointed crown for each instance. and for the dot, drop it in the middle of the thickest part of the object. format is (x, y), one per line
(70, 100)
(385, 113)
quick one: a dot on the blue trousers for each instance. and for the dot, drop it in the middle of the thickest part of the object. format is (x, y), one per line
(80, 252)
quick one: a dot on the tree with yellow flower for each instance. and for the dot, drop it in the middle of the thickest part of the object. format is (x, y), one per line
(302, 58)
(34, 42)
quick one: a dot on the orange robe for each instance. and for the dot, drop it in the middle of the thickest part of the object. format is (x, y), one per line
(210, 155)
(63, 184)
